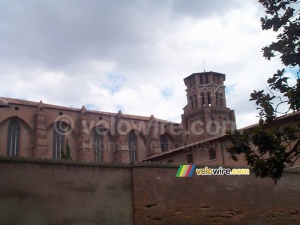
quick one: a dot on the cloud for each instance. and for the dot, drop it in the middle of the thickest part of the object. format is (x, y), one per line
(131, 55)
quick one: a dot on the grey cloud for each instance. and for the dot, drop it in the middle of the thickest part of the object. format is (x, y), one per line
(62, 32)
(203, 8)
(146, 41)
(56, 34)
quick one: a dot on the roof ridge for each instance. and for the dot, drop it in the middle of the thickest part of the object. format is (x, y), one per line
(7, 100)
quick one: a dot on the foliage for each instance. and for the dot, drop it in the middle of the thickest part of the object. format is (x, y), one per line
(267, 151)
(62, 154)
(66, 156)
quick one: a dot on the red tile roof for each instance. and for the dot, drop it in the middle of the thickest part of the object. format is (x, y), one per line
(50, 106)
(185, 147)
(3, 103)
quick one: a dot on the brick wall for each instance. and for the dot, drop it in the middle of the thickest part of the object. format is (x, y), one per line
(83, 125)
(161, 198)
(33, 193)
(59, 193)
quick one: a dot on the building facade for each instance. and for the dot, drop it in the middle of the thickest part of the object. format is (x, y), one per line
(39, 130)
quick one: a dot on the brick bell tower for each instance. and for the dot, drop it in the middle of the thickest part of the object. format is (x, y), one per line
(206, 115)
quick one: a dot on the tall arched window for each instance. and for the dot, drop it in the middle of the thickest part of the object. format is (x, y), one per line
(221, 99)
(202, 99)
(191, 99)
(58, 139)
(206, 78)
(196, 102)
(208, 99)
(98, 143)
(132, 142)
(164, 143)
(13, 138)
(217, 98)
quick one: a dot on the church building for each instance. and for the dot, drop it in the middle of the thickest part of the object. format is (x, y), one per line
(41, 130)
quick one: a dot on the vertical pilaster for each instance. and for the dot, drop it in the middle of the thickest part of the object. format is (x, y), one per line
(84, 151)
(40, 134)
(154, 141)
(122, 153)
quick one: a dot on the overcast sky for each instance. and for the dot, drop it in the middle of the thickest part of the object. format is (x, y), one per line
(132, 55)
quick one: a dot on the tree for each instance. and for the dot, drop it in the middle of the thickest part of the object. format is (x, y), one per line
(269, 152)
(67, 155)
(68, 151)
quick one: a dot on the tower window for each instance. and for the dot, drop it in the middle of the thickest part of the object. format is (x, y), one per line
(221, 99)
(217, 98)
(208, 99)
(192, 102)
(202, 99)
(13, 138)
(206, 78)
(132, 142)
(196, 102)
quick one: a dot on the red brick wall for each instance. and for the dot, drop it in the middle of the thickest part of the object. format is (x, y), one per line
(26, 112)
(58, 193)
(63, 194)
(161, 198)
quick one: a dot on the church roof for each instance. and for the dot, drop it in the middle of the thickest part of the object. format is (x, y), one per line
(3, 103)
(281, 119)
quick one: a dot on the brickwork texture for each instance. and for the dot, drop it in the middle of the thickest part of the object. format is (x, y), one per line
(60, 193)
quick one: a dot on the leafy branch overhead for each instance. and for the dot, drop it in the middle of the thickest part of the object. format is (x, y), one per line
(267, 151)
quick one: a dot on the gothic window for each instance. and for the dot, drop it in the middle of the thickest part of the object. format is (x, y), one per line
(58, 139)
(98, 144)
(206, 78)
(164, 143)
(13, 138)
(196, 102)
(221, 96)
(208, 99)
(202, 99)
(132, 142)
(191, 99)
(217, 98)
(212, 154)
(201, 82)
